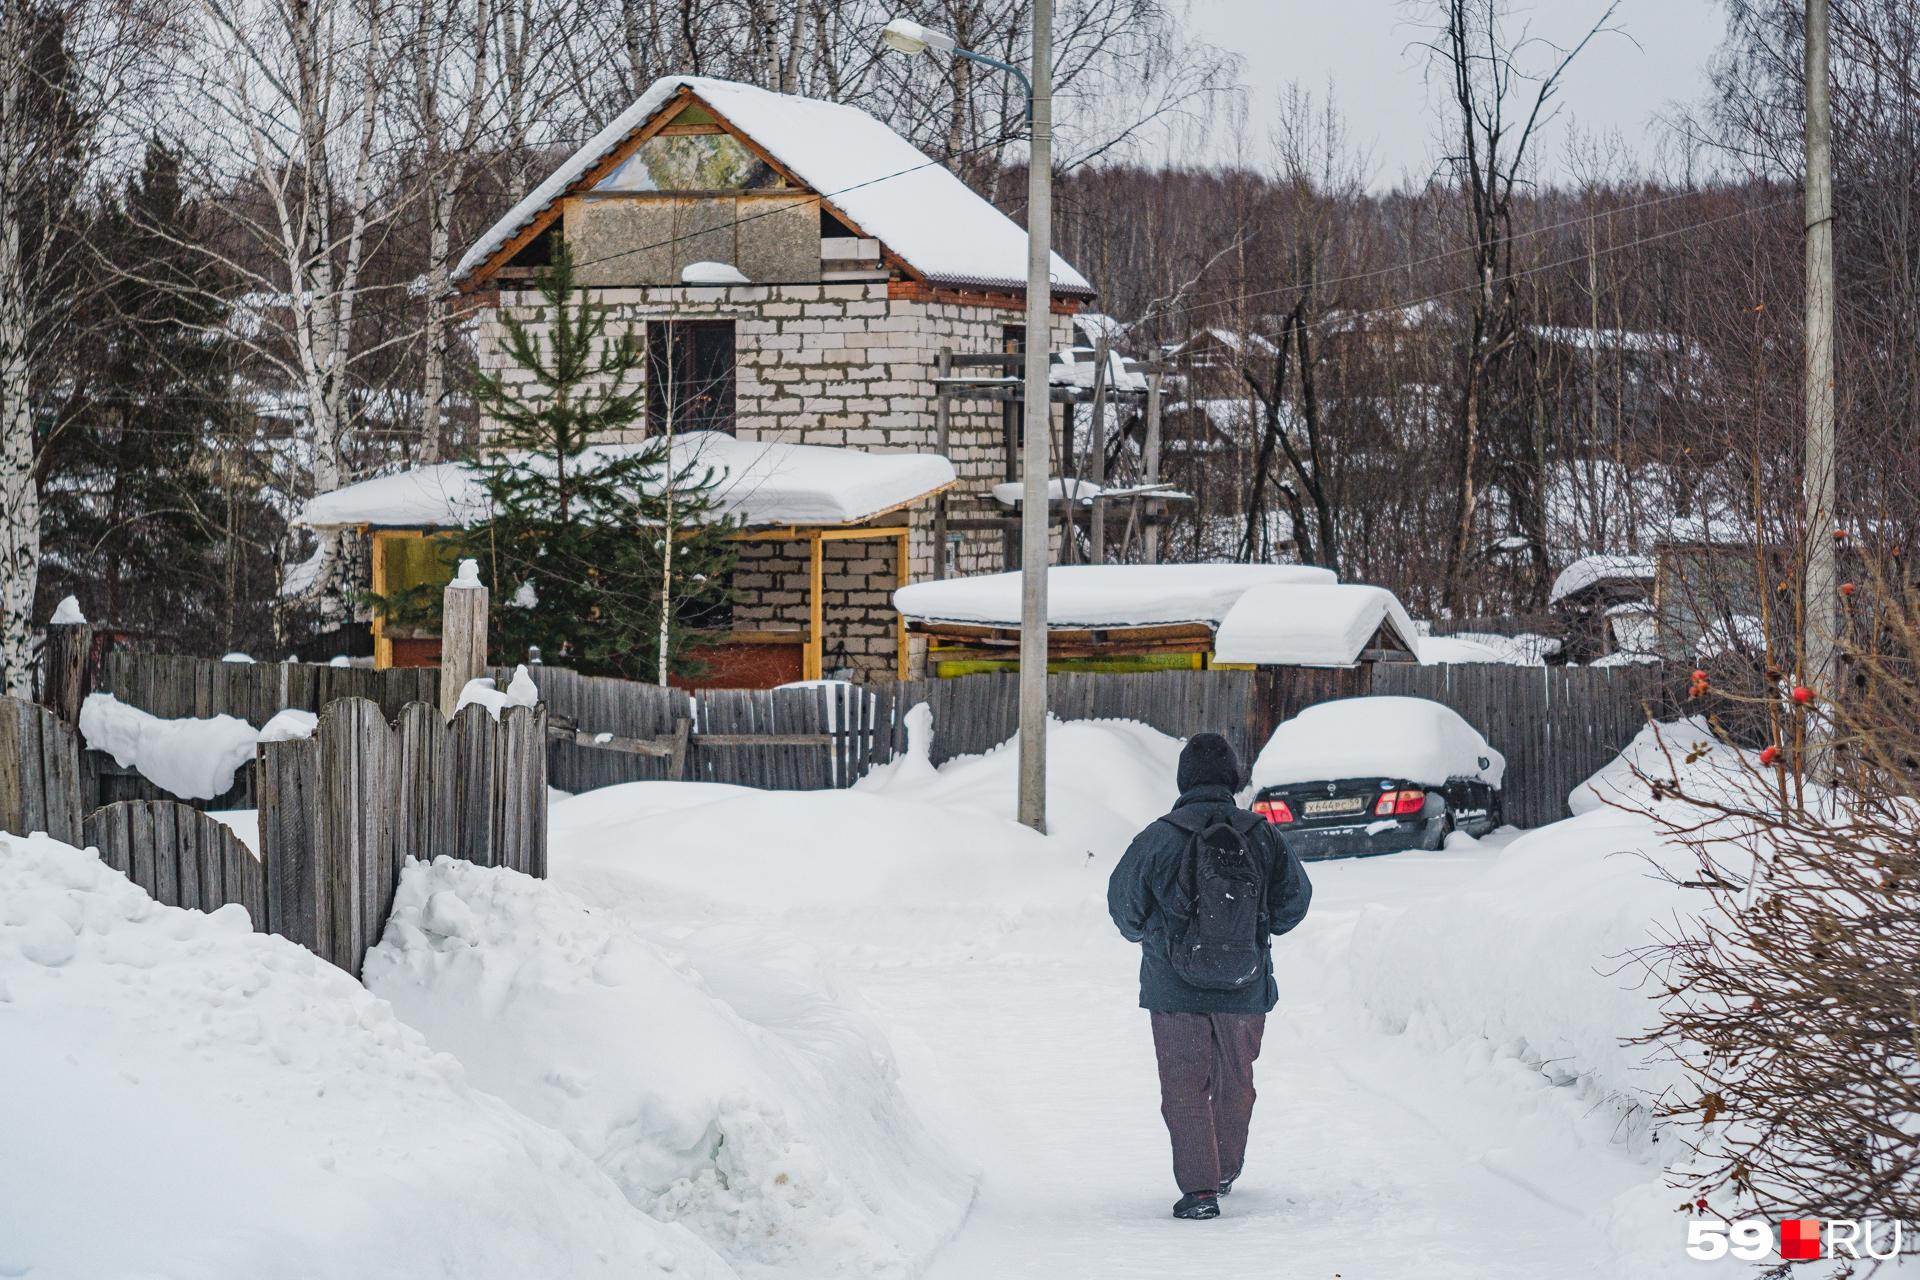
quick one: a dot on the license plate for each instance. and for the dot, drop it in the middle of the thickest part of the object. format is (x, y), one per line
(1320, 808)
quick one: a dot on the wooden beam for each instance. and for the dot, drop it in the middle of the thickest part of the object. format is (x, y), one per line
(902, 573)
(816, 607)
(942, 412)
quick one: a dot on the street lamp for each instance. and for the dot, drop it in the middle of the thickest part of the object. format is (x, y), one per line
(904, 35)
(1035, 546)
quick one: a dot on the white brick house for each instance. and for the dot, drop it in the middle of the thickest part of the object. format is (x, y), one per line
(861, 259)
(795, 269)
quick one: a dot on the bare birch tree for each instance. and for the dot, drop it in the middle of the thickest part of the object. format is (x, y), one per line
(295, 96)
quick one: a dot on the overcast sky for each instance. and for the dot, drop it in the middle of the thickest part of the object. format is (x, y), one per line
(1362, 47)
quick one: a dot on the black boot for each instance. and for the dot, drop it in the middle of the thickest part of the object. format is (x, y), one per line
(1198, 1204)
(1226, 1184)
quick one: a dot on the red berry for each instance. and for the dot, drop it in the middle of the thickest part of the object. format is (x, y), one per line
(1802, 694)
(1846, 588)
(1769, 755)
(1699, 677)
(1839, 533)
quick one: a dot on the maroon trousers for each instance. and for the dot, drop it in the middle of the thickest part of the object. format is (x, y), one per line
(1206, 1091)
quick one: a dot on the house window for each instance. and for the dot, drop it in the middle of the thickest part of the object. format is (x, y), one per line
(689, 375)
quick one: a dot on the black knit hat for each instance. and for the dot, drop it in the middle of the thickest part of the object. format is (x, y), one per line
(1208, 760)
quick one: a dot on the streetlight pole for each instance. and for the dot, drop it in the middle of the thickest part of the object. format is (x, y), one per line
(1036, 547)
(1035, 536)
(1819, 606)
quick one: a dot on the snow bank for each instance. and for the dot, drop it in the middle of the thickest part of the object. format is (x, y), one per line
(775, 1131)
(906, 839)
(1102, 595)
(67, 613)
(1533, 954)
(180, 1095)
(1536, 951)
(192, 758)
(1663, 750)
(1385, 737)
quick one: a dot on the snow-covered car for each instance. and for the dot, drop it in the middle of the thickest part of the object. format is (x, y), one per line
(1361, 776)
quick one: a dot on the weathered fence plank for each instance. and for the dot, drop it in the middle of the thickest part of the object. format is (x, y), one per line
(22, 762)
(180, 856)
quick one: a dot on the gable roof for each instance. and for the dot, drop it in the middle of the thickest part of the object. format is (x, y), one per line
(870, 176)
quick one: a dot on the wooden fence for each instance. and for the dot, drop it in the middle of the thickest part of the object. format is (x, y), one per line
(1555, 725)
(339, 814)
(39, 772)
(342, 811)
(180, 856)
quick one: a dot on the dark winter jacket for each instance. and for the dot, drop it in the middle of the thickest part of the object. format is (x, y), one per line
(1146, 878)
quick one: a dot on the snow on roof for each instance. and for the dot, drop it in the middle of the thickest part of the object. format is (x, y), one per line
(1587, 571)
(761, 482)
(1102, 595)
(1377, 737)
(1310, 624)
(1441, 650)
(890, 189)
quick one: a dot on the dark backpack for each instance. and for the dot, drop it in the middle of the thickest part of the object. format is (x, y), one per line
(1218, 941)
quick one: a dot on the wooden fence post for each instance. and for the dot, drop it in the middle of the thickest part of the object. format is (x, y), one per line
(66, 669)
(463, 635)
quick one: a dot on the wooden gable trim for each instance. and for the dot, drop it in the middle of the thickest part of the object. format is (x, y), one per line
(658, 123)
(918, 290)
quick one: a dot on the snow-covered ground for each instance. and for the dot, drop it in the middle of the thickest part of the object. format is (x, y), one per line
(877, 1032)
(1389, 1141)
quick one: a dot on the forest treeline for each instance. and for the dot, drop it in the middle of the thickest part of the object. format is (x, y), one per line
(227, 229)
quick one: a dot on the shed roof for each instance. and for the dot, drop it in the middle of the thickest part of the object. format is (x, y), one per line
(1593, 571)
(1102, 597)
(761, 482)
(878, 181)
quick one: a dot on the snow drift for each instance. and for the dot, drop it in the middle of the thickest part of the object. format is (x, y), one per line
(774, 1130)
(180, 1095)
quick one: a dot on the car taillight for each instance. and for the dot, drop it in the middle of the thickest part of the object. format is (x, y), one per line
(1398, 804)
(1274, 811)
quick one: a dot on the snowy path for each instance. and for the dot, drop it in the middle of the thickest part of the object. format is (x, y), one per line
(1370, 1156)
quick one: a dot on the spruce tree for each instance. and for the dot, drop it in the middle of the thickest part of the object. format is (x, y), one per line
(604, 555)
(147, 517)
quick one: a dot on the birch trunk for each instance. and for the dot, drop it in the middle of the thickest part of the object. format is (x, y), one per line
(19, 496)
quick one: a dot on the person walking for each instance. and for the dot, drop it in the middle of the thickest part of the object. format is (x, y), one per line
(1203, 890)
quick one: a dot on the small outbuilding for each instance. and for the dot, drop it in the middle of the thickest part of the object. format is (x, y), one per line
(828, 609)
(1161, 617)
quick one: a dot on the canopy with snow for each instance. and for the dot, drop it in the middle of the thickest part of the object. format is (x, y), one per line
(1332, 624)
(871, 178)
(763, 483)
